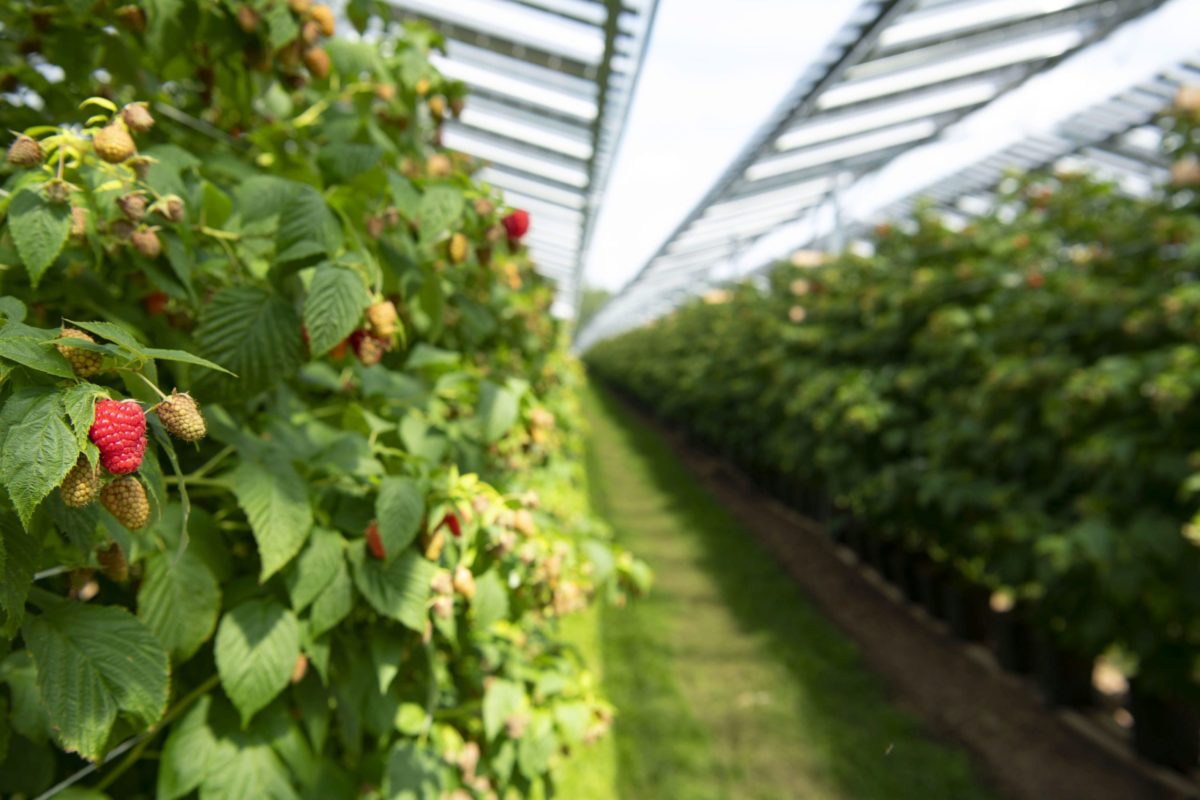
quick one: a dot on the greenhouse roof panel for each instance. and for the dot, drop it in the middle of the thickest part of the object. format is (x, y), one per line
(550, 86)
(893, 78)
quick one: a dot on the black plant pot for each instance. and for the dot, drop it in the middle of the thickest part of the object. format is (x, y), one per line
(856, 538)
(904, 572)
(931, 587)
(1165, 730)
(966, 608)
(1064, 677)
(879, 554)
(1012, 640)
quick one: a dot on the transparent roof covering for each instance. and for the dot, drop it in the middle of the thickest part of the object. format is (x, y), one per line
(1117, 140)
(896, 75)
(550, 83)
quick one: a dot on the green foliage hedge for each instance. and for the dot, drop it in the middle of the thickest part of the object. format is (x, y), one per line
(351, 586)
(1020, 398)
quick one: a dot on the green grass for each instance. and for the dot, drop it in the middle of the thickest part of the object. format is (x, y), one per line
(591, 772)
(729, 683)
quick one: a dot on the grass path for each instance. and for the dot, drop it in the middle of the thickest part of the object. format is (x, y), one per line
(731, 687)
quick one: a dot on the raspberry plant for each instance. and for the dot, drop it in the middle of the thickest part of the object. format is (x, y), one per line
(292, 500)
(1017, 399)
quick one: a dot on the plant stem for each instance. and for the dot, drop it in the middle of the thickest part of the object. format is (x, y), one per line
(150, 383)
(209, 465)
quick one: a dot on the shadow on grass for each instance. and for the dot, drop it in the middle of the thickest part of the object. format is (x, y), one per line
(729, 683)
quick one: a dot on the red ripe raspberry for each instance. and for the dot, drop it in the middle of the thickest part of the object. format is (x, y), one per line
(516, 224)
(451, 521)
(374, 543)
(119, 431)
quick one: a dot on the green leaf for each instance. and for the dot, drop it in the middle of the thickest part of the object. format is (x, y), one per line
(39, 229)
(440, 208)
(398, 590)
(275, 500)
(79, 400)
(255, 334)
(21, 551)
(405, 196)
(12, 309)
(113, 332)
(256, 649)
(490, 603)
(306, 226)
(387, 654)
(334, 306)
(188, 753)
(164, 28)
(179, 601)
(38, 453)
(412, 774)
(308, 575)
(185, 358)
(29, 347)
(348, 159)
(537, 746)
(282, 26)
(501, 700)
(398, 509)
(250, 770)
(498, 408)
(92, 662)
(28, 713)
(334, 602)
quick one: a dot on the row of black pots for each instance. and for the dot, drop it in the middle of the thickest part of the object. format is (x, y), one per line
(1165, 732)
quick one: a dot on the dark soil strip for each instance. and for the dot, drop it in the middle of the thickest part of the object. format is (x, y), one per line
(1029, 752)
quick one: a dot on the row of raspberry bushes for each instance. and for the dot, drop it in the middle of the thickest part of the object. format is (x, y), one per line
(290, 448)
(1018, 398)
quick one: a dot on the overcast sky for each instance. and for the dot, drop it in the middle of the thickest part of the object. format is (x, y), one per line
(713, 72)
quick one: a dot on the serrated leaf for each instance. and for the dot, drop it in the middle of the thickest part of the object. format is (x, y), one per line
(188, 753)
(412, 774)
(113, 332)
(275, 500)
(38, 453)
(28, 347)
(307, 227)
(398, 590)
(440, 208)
(179, 601)
(334, 602)
(256, 648)
(79, 401)
(39, 229)
(348, 159)
(253, 333)
(334, 306)
(92, 662)
(184, 358)
(21, 552)
(398, 510)
(308, 575)
(501, 700)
